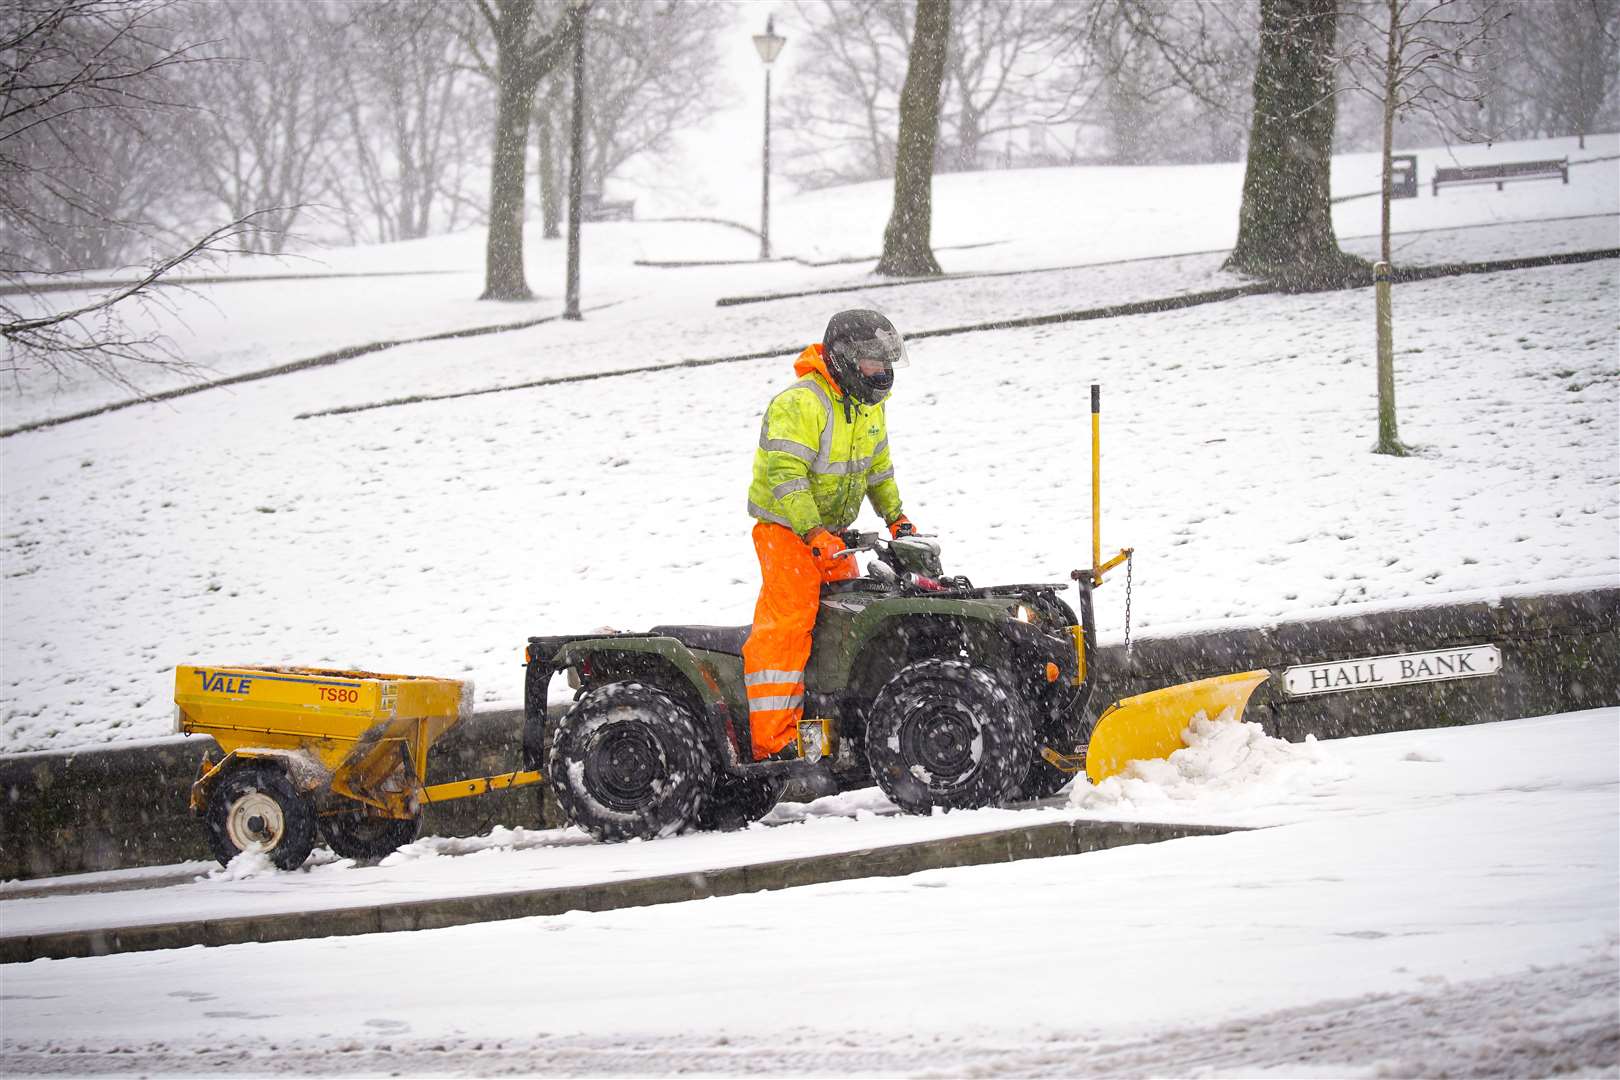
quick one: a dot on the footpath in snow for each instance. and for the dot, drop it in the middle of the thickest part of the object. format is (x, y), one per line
(1420, 900)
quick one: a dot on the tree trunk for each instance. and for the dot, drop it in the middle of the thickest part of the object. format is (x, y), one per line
(1389, 439)
(969, 135)
(550, 180)
(906, 248)
(1392, 56)
(503, 255)
(1285, 226)
(519, 66)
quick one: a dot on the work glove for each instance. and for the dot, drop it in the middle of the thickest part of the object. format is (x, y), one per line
(824, 547)
(902, 526)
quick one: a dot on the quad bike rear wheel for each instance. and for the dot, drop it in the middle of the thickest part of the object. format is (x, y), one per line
(358, 835)
(256, 808)
(627, 762)
(946, 733)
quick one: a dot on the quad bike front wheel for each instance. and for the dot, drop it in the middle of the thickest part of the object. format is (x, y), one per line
(627, 762)
(945, 733)
(358, 835)
(256, 808)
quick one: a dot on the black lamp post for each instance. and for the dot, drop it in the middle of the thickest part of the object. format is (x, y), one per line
(769, 44)
(576, 160)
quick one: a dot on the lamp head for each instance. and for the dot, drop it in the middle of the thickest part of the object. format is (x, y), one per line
(770, 42)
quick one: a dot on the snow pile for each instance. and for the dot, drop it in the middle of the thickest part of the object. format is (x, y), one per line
(501, 838)
(248, 864)
(858, 805)
(1224, 766)
(256, 864)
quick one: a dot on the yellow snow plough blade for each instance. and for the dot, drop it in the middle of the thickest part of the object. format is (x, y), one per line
(1150, 725)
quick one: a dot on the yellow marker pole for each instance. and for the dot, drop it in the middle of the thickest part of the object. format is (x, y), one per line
(1096, 485)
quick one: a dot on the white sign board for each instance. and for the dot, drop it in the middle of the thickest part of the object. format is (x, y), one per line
(1466, 662)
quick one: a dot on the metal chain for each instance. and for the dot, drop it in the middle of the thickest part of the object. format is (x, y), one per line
(1128, 564)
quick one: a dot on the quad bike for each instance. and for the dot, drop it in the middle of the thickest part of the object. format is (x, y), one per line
(944, 693)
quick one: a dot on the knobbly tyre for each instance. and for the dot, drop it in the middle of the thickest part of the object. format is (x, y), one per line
(307, 750)
(946, 694)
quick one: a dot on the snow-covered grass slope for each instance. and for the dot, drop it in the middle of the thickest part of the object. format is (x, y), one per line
(983, 222)
(1430, 903)
(436, 537)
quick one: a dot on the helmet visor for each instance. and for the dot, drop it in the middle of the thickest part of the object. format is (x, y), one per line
(884, 351)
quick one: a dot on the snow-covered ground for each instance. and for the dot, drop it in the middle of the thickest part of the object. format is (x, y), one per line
(1425, 903)
(435, 537)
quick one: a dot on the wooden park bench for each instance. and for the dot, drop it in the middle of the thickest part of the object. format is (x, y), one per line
(596, 208)
(1501, 174)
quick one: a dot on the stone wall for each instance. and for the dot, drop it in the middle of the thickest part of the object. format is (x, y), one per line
(117, 807)
(1560, 652)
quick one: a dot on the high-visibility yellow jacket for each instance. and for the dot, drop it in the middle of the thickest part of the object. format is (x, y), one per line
(820, 453)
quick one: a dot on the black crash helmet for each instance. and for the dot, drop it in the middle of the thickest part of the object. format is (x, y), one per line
(863, 348)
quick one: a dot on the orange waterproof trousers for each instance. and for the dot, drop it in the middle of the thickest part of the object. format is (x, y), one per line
(777, 649)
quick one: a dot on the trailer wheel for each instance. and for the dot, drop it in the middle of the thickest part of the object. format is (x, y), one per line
(627, 761)
(738, 802)
(256, 808)
(944, 733)
(358, 835)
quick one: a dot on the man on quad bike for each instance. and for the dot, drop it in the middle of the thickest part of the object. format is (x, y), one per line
(823, 447)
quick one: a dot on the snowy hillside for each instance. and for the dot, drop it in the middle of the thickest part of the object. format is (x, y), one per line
(435, 537)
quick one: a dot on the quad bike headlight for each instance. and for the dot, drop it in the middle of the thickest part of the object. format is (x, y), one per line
(1023, 614)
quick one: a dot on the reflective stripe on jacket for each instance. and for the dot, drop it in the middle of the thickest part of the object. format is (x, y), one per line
(820, 453)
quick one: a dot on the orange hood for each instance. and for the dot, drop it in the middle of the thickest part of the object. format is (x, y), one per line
(814, 358)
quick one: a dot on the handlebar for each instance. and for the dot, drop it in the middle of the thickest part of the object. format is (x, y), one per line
(855, 540)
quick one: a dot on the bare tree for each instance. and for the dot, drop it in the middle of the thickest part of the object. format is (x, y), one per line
(84, 87)
(1285, 223)
(550, 112)
(998, 52)
(1161, 80)
(1434, 60)
(840, 113)
(96, 337)
(907, 250)
(1571, 53)
(81, 93)
(466, 154)
(400, 77)
(265, 124)
(525, 53)
(1428, 58)
(654, 71)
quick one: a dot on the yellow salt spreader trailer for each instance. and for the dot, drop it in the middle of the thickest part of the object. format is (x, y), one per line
(307, 750)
